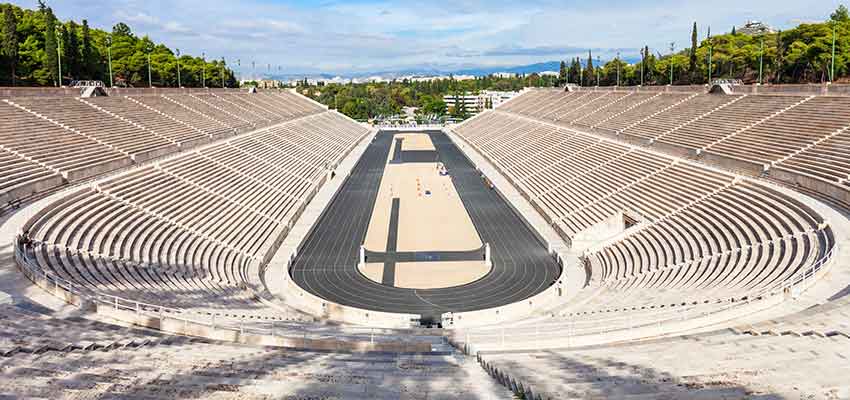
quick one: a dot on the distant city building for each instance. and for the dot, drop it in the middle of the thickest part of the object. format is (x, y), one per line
(496, 98)
(311, 82)
(263, 83)
(469, 101)
(753, 28)
(476, 103)
(417, 78)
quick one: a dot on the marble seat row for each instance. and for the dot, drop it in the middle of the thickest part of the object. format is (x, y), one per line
(713, 365)
(801, 138)
(91, 122)
(615, 109)
(733, 118)
(176, 367)
(64, 152)
(700, 235)
(25, 330)
(182, 232)
(66, 139)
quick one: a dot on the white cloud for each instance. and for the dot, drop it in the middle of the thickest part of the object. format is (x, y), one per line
(175, 27)
(138, 17)
(376, 34)
(283, 26)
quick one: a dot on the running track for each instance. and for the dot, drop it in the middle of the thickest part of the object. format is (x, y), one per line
(326, 265)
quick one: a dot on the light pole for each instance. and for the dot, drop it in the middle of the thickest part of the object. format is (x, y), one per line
(642, 61)
(179, 84)
(580, 75)
(710, 48)
(672, 54)
(109, 57)
(59, 55)
(150, 81)
(761, 59)
(618, 68)
(598, 66)
(832, 66)
(204, 70)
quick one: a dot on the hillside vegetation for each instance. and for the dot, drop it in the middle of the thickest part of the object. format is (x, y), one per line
(32, 40)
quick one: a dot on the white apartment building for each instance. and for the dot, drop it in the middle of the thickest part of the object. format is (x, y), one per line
(476, 103)
(470, 101)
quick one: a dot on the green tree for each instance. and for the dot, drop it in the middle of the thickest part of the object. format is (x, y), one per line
(433, 105)
(10, 39)
(462, 112)
(780, 59)
(51, 55)
(88, 61)
(840, 15)
(64, 43)
(562, 73)
(72, 51)
(121, 29)
(692, 56)
(588, 70)
(84, 54)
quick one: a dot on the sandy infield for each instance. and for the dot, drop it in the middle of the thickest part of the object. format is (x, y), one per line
(427, 222)
(429, 275)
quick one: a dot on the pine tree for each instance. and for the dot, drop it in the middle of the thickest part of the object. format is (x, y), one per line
(72, 51)
(121, 29)
(562, 74)
(456, 107)
(88, 61)
(50, 53)
(572, 72)
(692, 65)
(10, 38)
(840, 15)
(733, 31)
(64, 41)
(589, 69)
(780, 51)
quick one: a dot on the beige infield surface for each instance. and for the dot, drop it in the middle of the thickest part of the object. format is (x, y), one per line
(427, 222)
(429, 275)
(435, 222)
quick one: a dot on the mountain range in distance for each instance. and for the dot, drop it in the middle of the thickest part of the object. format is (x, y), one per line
(431, 71)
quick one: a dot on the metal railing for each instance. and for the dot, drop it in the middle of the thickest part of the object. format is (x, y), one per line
(793, 286)
(242, 325)
(391, 126)
(567, 329)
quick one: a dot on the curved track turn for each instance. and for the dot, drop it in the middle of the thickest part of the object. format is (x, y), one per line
(327, 263)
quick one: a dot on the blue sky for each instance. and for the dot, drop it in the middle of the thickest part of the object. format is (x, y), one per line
(368, 35)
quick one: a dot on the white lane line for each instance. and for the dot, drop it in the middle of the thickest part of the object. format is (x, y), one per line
(420, 298)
